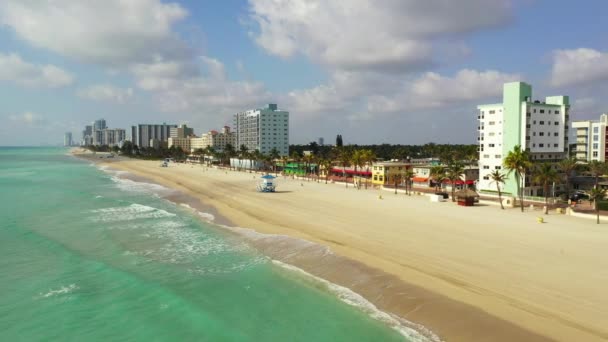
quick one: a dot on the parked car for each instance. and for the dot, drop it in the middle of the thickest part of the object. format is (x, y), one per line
(579, 195)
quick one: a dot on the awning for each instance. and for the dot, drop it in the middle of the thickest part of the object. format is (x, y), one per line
(351, 172)
(420, 179)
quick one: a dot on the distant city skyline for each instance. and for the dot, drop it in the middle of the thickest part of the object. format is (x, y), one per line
(402, 72)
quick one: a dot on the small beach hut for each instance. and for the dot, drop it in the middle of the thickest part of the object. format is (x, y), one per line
(466, 197)
(266, 184)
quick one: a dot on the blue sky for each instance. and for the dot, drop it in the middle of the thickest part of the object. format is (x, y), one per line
(396, 71)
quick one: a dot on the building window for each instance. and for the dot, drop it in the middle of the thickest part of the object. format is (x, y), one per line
(556, 123)
(490, 112)
(497, 167)
(542, 111)
(491, 145)
(555, 134)
(542, 134)
(498, 156)
(534, 122)
(595, 146)
(596, 138)
(486, 177)
(557, 112)
(486, 167)
(491, 123)
(554, 145)
(535, 110)
(528, 137)
(595, 153)
(541, 122)
(486, 156)
(541, 145)
(534, 134)
(596, 129)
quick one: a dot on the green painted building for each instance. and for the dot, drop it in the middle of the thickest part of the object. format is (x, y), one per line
(540, 127)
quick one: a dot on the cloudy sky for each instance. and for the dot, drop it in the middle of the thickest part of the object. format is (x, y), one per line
(375, 71)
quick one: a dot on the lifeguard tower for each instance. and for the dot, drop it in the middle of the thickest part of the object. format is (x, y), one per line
(266, 184)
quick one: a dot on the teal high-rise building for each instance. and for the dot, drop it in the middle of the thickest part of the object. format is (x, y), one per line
(539, 127)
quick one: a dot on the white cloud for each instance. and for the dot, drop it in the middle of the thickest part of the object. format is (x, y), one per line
(579, 66)
(110, 32)
(15, 69)
(207, 92)
(399, 35)
(106, 92)
(432, 90)
(27, 118)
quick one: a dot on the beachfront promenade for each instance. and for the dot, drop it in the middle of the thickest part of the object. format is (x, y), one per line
(475, 273)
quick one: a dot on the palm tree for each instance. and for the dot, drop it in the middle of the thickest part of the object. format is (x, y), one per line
(596, 195)
(229, 152)
(498, 178)
(274, 155)
(308, 159)
(357, 160)
(518, 162)
(545, 174)
(368, 157)
(396, 180)
(243, 150)
(345, 158)
(437, 174)
(326, 164)
(568, 167)
(454, 173)
(408, 175)
(284, 161)
(596, 169)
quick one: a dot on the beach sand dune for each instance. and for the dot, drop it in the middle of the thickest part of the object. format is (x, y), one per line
(468, 274)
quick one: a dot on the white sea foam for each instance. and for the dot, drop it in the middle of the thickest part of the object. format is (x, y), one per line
(141, 187)
(62, 290)
(206, 216)
(412, 331)
(132, 212)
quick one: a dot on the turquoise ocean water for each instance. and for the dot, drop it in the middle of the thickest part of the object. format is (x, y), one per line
(85, 256)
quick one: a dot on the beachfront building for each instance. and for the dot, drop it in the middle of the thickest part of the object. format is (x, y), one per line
(112, 136)
(182, 131)
(219, 140)
(151, 135)
(96, 134)
(591, 141)
(385, 172)
(539, 127)
(263, 129)
(185, 144)
(67, 139)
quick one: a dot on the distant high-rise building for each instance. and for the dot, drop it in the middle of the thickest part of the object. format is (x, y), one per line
(113, 137)
(321, 141)
(263, 129)
(182, 131)
(87, 136)
(145, 135)
(98, 125)
(67, 139)
(97, 135)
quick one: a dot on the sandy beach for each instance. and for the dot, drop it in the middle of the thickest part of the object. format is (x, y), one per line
(467, 274)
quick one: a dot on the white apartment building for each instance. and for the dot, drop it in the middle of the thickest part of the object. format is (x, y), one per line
(67, 139)
(263, 129)
(539, 127)
(591, 139)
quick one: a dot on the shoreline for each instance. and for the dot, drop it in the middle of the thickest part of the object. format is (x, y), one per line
(394, 287)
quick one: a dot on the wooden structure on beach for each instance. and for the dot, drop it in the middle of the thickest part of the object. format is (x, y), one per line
(466, 197)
